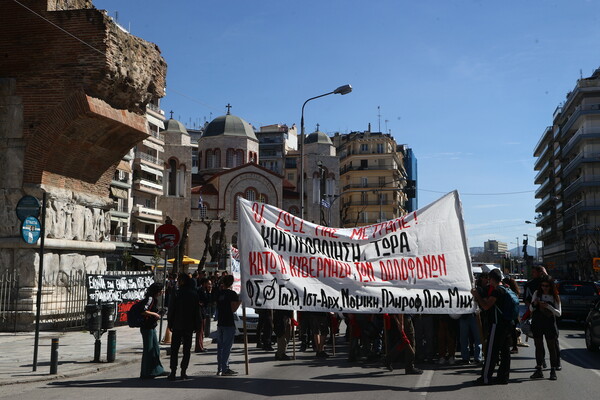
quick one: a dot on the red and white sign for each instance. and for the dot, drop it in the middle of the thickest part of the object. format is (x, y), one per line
(167, 236)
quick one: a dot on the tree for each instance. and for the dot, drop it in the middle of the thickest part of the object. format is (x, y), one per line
(208, 224)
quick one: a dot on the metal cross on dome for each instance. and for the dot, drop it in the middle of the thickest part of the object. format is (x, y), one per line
(228, 108)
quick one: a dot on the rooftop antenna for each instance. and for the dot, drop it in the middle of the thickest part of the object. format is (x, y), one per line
(580, 74)
(386, 121)
(379, 118)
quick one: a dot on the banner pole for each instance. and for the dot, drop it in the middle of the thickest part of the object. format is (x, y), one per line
(333, 334)
(245, 340)
(163, 297)
(295, 316)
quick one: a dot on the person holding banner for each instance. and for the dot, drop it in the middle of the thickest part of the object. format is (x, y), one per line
(499, 334)
(282, 326)
(228, 302)
(403, 344)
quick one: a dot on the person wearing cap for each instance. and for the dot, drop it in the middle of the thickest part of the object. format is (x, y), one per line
(499, 332)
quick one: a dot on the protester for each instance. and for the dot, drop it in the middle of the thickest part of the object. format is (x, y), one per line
(282, 326)
(424, 337)
(469, 334)
(446, 339)
(499, 334)
(183, 320)
(319, 325)
(227, 304)
(264, 329)
(205, 300)
(403, 341)
(516, 333)
(545, 308)
(151, 365)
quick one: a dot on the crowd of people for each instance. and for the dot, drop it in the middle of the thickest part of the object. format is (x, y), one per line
(484, 339)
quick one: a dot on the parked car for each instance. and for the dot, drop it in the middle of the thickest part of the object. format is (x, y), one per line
(251, 321)
(576, 298)
(592, 328)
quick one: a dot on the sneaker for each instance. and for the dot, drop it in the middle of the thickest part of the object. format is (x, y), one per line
(538, 374)
(441, 361)
(553, 374)
(172, 376)
(219, 373)
(229, 373)
(544, 365)
(184, 376)
(451, 361)
(414, 371)
(558, 367)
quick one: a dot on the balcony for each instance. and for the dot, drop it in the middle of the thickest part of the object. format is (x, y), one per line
(386, 186)
(580, 158)
(148, 186)
(545, 201)
(579, 136)
(540, 219)
(540, 144)
(142, 237)
(544, 233)
(544, 156)
(582, 181)
(542, 173)
(139, 156)
(578, 112)
(147, 213)
(121, 183)
(384, 167)
(544, 187)
(119, 239)
(370, 203)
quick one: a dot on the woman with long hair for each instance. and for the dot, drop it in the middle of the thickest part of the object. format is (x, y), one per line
(151, 365)
(545, 308)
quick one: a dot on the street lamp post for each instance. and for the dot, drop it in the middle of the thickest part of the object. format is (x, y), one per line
(535, 244)
(340, 90)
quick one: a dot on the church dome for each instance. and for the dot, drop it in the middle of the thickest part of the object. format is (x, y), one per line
(173, 125)
(318, 137)
(229, 125)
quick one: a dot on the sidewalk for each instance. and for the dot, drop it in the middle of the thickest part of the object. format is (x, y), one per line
(75, 354)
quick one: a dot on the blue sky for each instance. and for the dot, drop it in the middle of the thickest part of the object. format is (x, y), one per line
(469, 85)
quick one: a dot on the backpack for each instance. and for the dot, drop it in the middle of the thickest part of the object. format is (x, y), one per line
(510, 305)
(135, 319)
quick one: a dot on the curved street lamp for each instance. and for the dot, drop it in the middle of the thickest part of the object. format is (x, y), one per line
(345, 89)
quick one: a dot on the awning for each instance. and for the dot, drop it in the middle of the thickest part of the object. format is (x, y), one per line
(155, 121)
(146, 220)
(119, 193)
(124, 166)
(147, 260)
(151, 170)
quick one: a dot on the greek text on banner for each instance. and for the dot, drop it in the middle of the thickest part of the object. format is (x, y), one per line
(418, 263)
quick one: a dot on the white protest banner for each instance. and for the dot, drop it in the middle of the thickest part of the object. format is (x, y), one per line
(235, 269)
(418, 263)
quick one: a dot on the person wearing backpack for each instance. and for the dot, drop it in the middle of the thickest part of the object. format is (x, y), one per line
(499, 330)
(151, 365)
(545, 308)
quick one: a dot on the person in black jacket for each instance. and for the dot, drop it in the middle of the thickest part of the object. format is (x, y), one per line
(183, 320)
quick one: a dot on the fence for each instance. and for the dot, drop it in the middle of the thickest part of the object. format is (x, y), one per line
(64, 297)
(9, 294)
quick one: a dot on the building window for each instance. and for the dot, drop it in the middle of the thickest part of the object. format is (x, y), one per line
(364, 199)
(382, 181)
(250, 195)
(379, 148)
(263, 198)
(209, 159)
(364, 182)
(364, 147)
(229, 161)
(172, 181)
(239, 158)
(202, 211)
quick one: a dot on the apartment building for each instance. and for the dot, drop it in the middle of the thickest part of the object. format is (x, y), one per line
(568, 175)
(275, 141)
(372, 178)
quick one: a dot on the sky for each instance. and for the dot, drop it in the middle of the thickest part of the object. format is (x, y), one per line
(469, 85)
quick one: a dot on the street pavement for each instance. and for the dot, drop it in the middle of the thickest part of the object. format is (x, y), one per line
(305, 377)
(75, 354)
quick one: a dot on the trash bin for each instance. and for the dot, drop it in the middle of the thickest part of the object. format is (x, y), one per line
(108, 316)
(93, 317)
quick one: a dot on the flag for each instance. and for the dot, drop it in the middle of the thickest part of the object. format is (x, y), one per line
(325, 203)
(200, 202)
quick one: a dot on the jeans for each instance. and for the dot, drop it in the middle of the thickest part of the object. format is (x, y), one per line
(151, 365)
(225, 336)
(468, 327)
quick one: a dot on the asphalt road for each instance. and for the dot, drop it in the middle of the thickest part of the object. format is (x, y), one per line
(333, 378)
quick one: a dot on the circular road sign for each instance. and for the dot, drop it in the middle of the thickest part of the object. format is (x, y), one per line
(28, 206)
(30, 230)
(166, 236)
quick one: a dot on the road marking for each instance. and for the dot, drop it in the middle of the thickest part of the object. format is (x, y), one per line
(589, 367)
(424, 381)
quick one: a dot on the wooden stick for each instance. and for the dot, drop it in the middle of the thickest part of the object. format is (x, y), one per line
(245, 340)
(295, 316)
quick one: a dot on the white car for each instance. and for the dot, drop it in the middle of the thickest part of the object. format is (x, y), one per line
(251, 321)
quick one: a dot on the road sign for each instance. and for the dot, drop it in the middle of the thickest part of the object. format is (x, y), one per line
(28, 206)
(596, 262)
(166, 236)
(30, 230)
